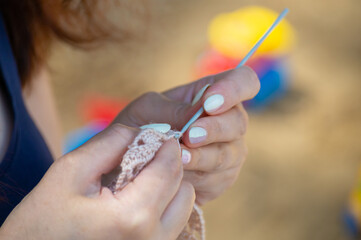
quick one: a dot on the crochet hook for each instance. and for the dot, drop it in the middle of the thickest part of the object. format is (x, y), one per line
(244, 60)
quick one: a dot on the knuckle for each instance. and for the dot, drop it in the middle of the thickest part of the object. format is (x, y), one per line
(242, 119)
(218, 127)
(120, 224)
(252, 80)
(221, 162)
(119, 129)
(141, 222)
(175, 166)
(124, 133)
(189, 189)
(202, 198)
(68, 158)
(68, 163)
(198, 177)
(196, 159)
(146, 99)
(149, 95)
(209, 195)
(213, 126)
(235, 82)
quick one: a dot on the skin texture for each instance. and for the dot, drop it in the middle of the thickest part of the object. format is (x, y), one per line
(40, 102)
(70, 203)
(216, 161)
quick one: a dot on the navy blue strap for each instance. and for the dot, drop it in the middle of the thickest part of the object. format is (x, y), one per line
(11, 78)
(27, 157)
(9, 68)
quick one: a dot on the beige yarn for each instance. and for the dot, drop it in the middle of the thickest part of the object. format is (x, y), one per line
(139, 154)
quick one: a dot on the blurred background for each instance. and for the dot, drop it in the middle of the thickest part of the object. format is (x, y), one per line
(304, 146)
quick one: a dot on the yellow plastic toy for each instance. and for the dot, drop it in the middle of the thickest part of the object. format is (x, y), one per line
(233, 34)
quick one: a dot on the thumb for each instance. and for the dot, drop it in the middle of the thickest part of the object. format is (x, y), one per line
(157, 108)
(99, 155)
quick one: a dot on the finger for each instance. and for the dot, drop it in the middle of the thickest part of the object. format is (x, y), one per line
(208, 186)
(157, 184)
(210, 182)
(226, 127)
(217, 157)
(100, 154)
(159, 109)
(238, 85)
(176, 216)
(187, 92)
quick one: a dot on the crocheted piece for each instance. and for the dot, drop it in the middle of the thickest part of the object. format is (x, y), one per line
(139, 154)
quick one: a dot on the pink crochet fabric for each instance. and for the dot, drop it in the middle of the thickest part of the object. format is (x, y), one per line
(139, 154)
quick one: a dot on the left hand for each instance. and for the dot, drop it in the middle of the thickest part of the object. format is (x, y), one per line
(216, 157)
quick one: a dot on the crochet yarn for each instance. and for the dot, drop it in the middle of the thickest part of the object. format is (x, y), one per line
(139, 154)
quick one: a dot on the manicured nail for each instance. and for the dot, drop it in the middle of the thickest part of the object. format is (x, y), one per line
(186, 156)
(160, 127)
(213, 102)
(197, 135)
(200, 94)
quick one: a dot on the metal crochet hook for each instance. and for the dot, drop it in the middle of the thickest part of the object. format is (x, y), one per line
(244, 60)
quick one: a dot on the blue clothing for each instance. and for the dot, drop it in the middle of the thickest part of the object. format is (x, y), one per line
(27, 157)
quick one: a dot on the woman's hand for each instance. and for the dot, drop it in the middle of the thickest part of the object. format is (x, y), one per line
(70, 203)
(214, 148)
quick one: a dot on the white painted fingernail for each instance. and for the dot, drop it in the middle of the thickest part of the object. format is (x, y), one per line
(213, 102)
(186, 156)
(197, 135)
(160, 127)
(200, 94)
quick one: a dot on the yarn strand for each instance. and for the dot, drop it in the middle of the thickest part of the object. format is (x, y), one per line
(139, 154)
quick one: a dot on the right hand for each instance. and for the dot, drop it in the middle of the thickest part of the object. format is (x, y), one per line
(218, 156)
(70, 203)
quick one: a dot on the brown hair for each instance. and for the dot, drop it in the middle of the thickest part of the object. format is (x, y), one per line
(33, 24)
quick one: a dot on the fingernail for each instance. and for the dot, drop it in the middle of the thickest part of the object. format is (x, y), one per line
(200, 94)
(186, 156)
(160, 127)
(197, 134)
(213, 102)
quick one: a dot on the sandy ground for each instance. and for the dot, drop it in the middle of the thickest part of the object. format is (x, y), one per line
(304, 151)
